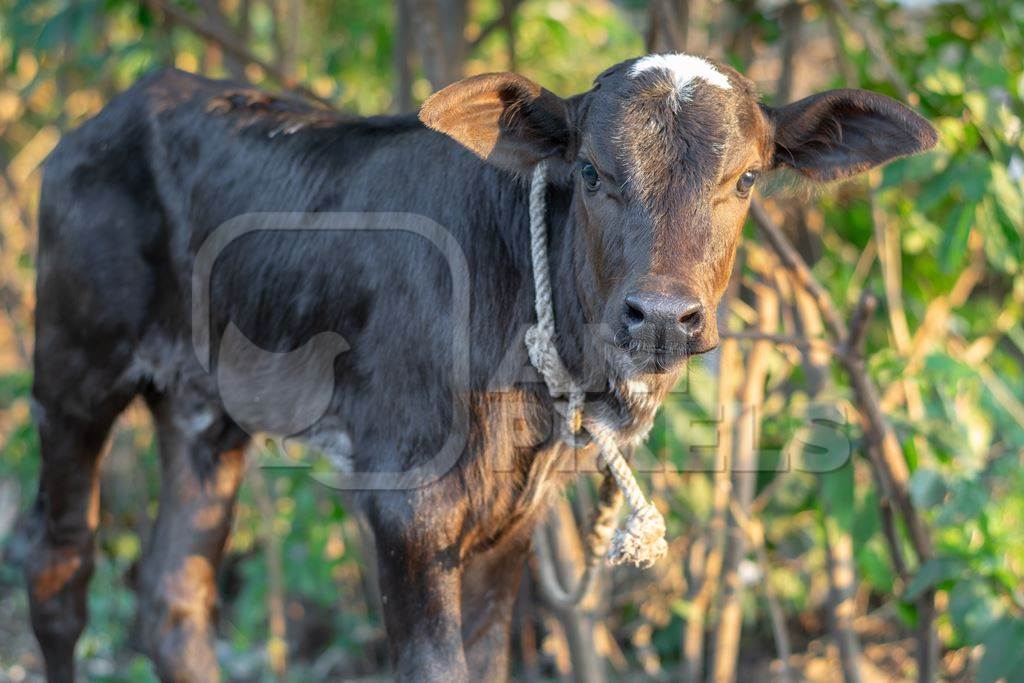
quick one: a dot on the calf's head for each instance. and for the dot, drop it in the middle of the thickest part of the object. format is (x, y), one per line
(661, 157)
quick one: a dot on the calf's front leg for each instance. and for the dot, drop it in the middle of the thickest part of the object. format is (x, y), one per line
(420, 574)
(490, 584)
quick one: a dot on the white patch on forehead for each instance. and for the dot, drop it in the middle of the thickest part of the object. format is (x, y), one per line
(685, 69)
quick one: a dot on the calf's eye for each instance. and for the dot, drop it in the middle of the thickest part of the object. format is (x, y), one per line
(591, 180)
(746, 183)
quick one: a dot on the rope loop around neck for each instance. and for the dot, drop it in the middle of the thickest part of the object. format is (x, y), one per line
(641, 541)
(540, 338)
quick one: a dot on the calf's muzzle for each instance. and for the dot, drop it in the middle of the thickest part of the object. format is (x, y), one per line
(662, 322)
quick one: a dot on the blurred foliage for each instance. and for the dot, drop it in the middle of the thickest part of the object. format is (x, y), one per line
(958, 214)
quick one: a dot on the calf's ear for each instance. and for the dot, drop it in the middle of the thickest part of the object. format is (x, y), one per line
(503, 118)
(840, 133)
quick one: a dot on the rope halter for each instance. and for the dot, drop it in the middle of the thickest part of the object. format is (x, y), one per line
(641, 540)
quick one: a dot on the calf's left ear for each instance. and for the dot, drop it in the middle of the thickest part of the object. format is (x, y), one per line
(840, 133)
(503, 118)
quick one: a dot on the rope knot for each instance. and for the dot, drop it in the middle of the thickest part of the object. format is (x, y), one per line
(641, 541)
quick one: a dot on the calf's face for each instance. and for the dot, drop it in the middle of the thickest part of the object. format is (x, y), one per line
(662, 155)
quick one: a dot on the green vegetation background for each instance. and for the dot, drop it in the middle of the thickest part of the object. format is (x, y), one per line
(956, 214)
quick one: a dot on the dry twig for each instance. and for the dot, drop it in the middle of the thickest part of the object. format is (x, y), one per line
(232, 46)
(277, 646)
(747, 433)
(884, 450)
(754, 531)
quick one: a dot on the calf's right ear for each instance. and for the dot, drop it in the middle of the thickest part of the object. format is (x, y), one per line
(503, 118)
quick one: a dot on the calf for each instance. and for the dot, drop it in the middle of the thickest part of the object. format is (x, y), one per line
(649, 178)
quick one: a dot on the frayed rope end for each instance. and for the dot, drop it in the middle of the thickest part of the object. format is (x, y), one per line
(641, 540)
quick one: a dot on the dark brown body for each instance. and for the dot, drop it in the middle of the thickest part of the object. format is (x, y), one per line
(127, 202)
(130, 200)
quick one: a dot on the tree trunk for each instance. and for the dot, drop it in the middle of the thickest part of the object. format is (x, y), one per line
(841, 569)
(668, 25)
(402, 55)
(440, 39)
(219, 22)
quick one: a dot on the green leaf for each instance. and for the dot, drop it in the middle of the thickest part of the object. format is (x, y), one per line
(907, 611)
(1008, 193)
(973, 174)
(972, 609)
(874, 566)
(946, 368)
(1004, 652)
(916, 168)
(966, 503)
(943, 81)
(14, 385)
(985, 67)
(932, 573)
(868, 521)
(927, 488)
(954, 246)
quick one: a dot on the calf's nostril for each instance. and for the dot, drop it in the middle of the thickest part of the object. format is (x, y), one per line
(691, 318)
(633, 312)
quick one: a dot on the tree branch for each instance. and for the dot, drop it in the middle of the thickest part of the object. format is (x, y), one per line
(878, 50)
(754, 531)
(502, 20)
(802, 275)
(230, 45)
(884, 450)
(802, 343)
